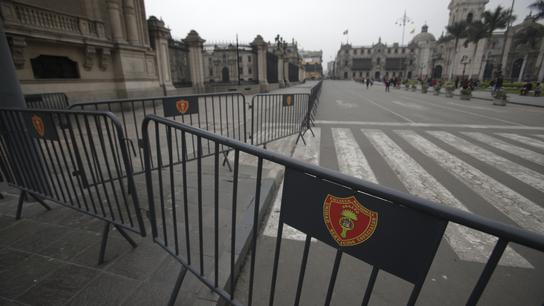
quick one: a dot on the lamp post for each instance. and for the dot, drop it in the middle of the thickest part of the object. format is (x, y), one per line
(402, 22)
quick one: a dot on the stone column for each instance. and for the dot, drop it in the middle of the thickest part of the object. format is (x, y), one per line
(540, 60)
(261, 47)
(281, 79)
(504, 59)
(115, 19)
(522, 70)
(286, 72)
(196, 62)
(160, 35)
(130, 21)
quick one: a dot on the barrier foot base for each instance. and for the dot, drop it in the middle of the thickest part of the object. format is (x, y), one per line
(21, 201)
(105, 234)
(126, 236)
(177, 286)
(226, 161)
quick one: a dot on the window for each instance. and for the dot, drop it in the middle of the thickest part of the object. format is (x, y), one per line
(403, 50)
(411, 62)
(369, 51)
(347, 51)
(249, 70)
(240, 70)
(54, 67)
(378, 60)
(211, 71)
(354, 74)
(249, 58)
(470, 16)
(396, 51)
(388, 51)
(239, 59)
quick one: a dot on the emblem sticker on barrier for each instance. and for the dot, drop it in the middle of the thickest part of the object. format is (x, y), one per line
(42, 126)
(348, 221)
(180, 106)
(388, 235)
(288, 100)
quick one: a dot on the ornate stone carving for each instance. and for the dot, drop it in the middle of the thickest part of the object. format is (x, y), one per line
(18, 45)
(104, 58)
(90, 54)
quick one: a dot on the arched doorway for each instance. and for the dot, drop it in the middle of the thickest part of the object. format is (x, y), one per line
(437, 72)
(345, 75)
(225, 74)
(516, 68)
(488, 71)
(377, 76)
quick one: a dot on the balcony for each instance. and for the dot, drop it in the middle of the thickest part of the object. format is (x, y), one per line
(26, 19)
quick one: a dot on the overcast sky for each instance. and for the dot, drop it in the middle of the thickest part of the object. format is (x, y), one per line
(315, 25)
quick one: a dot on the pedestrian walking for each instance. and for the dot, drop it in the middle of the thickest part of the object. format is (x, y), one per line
(387, 84)
(367, 82)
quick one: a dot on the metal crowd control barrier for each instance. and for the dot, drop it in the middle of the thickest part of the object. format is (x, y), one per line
(56, 100)
(220, 113)
(390, 230)
(76, 165)
(275, 116)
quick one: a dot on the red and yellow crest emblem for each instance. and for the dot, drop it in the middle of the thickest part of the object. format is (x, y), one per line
(182, 106)
(38, 125)
(348, 221)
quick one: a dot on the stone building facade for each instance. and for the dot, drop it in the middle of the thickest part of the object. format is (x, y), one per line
(376, 61)
(313, 64)
(431, 58)
(104, 49)
(81, 47)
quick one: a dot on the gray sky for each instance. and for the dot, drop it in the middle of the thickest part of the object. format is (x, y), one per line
(316, 25)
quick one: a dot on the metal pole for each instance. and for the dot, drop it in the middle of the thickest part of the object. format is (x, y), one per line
(238, 59)
(10, 90)
(499, 72)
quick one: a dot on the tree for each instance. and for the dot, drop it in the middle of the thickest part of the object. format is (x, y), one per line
(456, 31)
(475, 32)
(529, 36)
(497, 19)
(538, 6)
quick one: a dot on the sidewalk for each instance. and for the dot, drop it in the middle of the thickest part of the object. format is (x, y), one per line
(512, 98)
(50, 257)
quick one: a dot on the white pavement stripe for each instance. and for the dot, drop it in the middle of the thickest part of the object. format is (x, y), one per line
(523, 139)
(351, 160)
(429, 125)
(468, 244)
(308, 153)
(529, 155)
(466, 112)
(522, 211)
(524, 174)
(392, 112)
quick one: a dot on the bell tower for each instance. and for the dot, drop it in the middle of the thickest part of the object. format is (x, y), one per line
(466, 10)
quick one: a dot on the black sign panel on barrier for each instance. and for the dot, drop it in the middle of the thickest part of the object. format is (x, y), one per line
(180, 106)
(41, 125)
(288, 100)
(389, 236)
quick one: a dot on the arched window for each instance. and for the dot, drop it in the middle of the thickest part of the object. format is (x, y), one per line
(470, 16)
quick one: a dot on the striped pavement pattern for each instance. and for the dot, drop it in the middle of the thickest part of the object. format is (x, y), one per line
(493, 149)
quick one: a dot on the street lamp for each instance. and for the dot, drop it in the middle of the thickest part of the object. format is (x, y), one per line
(402, 22)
